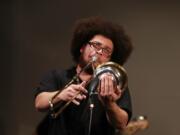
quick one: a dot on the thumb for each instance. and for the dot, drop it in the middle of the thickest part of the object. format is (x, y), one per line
(83, 84)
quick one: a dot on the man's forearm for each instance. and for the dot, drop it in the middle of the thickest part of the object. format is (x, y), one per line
(116, 116)
(42, 100)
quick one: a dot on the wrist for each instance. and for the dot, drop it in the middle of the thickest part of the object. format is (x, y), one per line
(110, 105)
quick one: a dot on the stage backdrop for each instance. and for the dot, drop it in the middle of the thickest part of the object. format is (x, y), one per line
(35, 39)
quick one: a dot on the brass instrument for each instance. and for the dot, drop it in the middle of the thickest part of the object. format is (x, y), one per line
(117, 71)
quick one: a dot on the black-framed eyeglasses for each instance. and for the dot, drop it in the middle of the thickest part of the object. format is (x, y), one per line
(97, 46)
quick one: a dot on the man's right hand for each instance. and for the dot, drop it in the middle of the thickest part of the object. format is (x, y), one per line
(74, 93)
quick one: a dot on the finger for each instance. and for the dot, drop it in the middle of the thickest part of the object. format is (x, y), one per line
(79, 88)
(72, 91)
(71, 95)
(76, 102)
(106, 85)
(99, 87)
(83, 84)
(82, 87)
(102, 86)
(79, 97)
(119, 90)
(84, 96)
(110, 85)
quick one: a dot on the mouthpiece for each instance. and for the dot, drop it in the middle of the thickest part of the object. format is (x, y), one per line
(94, 58)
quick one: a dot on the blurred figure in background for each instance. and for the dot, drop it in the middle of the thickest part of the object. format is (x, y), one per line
(137, 124)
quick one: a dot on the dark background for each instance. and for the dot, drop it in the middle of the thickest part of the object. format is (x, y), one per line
(35, 37)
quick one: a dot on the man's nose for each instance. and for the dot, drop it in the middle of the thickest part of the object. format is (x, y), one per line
(96, 52)
(93, 53)
(99, 51)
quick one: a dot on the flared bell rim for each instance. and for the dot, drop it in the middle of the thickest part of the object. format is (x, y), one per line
(113, 67)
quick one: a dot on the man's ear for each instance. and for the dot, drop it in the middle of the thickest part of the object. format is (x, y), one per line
(82, 49)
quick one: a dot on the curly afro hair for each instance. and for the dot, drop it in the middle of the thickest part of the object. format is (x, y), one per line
(86, 29)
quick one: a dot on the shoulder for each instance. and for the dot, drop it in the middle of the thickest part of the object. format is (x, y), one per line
(68, 73)
(62, 76)
(56, 73)
(56, 78)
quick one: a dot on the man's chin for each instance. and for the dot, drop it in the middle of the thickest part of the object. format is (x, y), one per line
(89, 70)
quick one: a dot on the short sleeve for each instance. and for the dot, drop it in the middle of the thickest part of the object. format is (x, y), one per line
(48, 83)
(125, 103)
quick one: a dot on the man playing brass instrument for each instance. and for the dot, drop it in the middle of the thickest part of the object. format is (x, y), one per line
(111, 108)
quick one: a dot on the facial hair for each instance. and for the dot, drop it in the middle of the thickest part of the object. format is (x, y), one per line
(83, 63)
